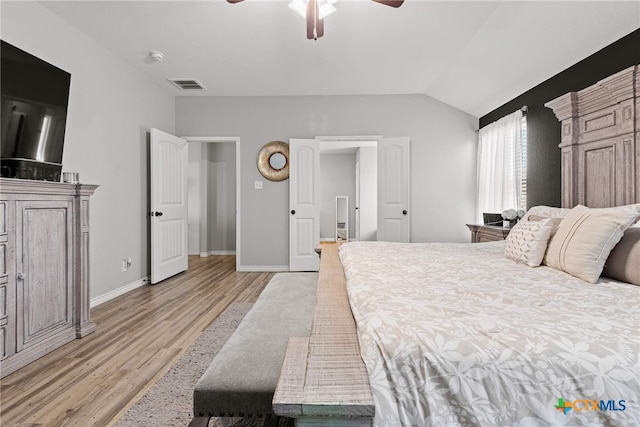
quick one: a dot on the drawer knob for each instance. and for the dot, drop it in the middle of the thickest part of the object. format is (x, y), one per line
(20, 276)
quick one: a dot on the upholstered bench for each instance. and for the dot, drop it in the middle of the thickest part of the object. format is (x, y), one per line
(241, 379)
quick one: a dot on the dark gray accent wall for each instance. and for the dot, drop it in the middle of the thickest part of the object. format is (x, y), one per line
(543, 173)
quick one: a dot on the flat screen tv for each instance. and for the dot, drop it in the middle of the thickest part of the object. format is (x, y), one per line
(35, 95)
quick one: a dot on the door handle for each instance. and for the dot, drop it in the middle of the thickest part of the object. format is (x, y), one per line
(158, 213)
(293, 211)
(404, 212)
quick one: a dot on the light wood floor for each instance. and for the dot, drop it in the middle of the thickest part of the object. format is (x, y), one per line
(94, 380)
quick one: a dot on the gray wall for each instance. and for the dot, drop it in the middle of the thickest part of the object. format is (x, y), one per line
(443, 158)
(111, 109)
(337, 178)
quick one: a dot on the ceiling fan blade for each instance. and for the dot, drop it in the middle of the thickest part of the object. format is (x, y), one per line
(319, 27)
(392, 3)
(315, 25)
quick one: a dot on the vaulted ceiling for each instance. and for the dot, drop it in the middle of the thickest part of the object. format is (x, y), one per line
(473, 55)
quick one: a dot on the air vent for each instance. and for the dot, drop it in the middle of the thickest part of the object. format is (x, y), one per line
(188, 84)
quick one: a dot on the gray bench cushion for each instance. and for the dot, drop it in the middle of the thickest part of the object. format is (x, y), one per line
(243, 376)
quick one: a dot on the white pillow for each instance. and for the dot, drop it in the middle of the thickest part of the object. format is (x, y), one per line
(546, 211)
(585, 237)
(527, 241)
(555, 222)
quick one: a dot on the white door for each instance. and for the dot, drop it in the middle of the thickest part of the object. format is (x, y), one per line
(304, 204)
(357, 201)
(169, 157)
(393, 189)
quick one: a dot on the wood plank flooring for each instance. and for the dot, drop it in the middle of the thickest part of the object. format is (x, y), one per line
(140, 335)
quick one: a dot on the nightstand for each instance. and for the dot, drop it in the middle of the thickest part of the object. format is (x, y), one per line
(487, 233)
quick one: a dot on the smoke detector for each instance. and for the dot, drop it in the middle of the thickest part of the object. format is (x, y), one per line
(156, 55)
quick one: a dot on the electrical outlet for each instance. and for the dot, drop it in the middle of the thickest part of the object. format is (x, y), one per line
(129, 263)
(125, 266)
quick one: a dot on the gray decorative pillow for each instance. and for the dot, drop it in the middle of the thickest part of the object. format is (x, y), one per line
(527, 241)
(624, 260)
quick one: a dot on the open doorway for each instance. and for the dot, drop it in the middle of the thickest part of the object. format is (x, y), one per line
(392, 195)
(348, 169)
(213, 228)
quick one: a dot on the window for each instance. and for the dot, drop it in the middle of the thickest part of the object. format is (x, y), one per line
(502, 165)
(523, 164)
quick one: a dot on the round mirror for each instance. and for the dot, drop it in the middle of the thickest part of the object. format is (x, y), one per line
(273, 161)
(277, 161)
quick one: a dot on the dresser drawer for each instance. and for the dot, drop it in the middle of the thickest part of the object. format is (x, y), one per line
(487, 233)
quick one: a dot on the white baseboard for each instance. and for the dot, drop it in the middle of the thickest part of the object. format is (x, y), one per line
(120, 291)
(222, 252)
(261, 268)
(213, 253)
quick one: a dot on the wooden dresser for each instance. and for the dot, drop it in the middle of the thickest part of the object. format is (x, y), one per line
(487, 233)
(44, 268)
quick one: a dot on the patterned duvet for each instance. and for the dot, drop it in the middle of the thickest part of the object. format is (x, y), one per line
(458, 335)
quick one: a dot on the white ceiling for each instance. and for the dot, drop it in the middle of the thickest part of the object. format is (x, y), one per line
(473, 55)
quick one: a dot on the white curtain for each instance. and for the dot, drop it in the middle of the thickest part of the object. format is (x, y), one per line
(500, 165)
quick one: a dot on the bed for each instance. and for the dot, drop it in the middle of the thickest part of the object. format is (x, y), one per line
(449, 341)
(493, 334)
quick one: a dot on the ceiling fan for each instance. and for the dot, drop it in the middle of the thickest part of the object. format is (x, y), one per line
(314, 17)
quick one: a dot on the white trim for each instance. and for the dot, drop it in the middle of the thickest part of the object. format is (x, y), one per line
(263, 268)
(214, 253)
(236, 140)
(327, 239)
(228, 139)
(120, 291)
(204, 198)
(238, 204)
(350, 138)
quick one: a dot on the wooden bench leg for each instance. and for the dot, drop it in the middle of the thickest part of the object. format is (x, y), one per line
(199, 422)
(278, 422)
(270, 422)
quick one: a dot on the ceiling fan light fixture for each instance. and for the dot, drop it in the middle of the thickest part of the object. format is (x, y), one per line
(325, 7)
(313, 11)
(299, 7)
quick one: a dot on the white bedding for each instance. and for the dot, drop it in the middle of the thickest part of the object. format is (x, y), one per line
(458, 335)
